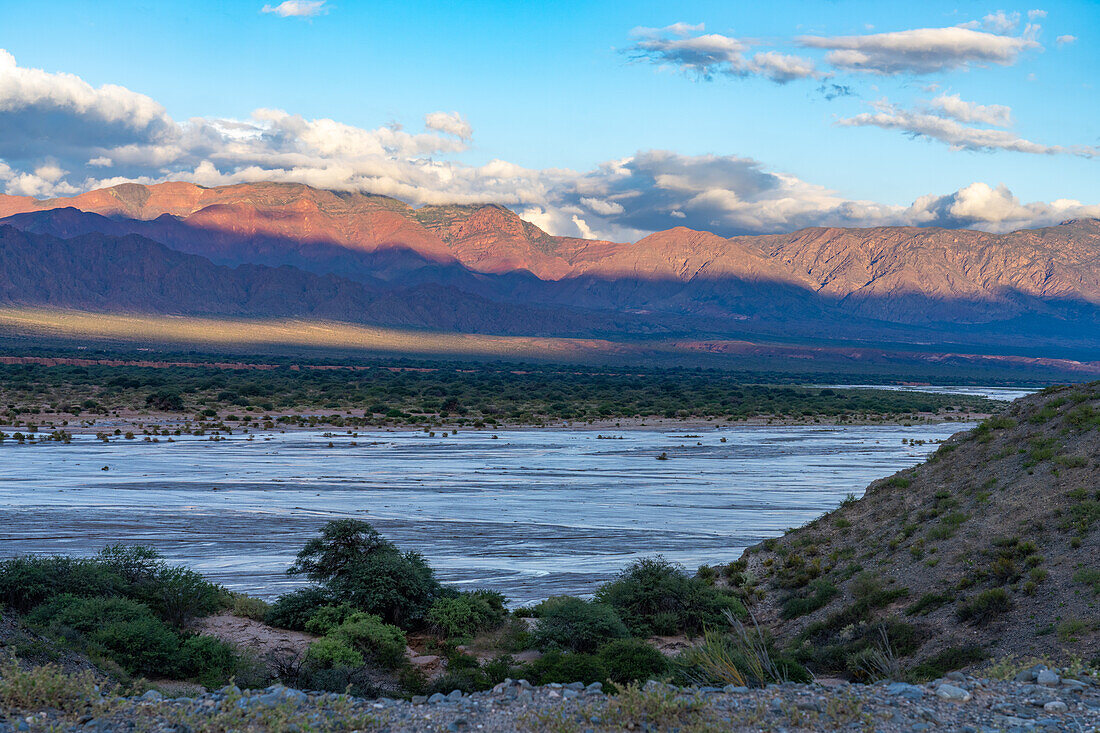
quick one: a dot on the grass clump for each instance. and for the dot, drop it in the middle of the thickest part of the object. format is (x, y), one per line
(46, 686)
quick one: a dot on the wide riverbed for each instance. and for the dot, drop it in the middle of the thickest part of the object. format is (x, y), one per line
(531, 512)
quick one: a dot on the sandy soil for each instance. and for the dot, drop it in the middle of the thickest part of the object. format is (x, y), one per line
(254, 636)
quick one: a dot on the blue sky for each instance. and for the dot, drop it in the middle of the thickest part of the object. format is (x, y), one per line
(572, 85)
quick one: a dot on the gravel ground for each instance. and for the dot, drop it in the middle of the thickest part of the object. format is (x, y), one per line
(1038, 700)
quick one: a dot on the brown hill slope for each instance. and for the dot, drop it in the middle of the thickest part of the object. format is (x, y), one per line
(1061, 262)
(990, 548)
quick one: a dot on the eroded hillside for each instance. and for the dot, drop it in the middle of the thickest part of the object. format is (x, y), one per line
(990, 548)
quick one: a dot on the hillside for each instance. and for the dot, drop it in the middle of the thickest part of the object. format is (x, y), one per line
(128, 273)
(988, 549)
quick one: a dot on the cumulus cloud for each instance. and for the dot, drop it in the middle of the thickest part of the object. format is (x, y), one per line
(921, 50)
(990, 114)
(999, 22)
(943, 123)
(296, 8)
(451, 123)
(62, 136)
(992, 208)
(1065, 40)
(707, 55)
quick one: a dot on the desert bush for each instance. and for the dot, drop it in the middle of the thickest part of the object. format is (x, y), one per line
(248, 607)
(946, 661)
(378, 642)
(466, 615)
(556, 666)
(133, 572)
(654, 596)
(572, 624)
(208, 661)
(293, 610)
(822, 591)
(353, 564)
(627, 660)
(326, 618)
(984, 607)
(330, 652)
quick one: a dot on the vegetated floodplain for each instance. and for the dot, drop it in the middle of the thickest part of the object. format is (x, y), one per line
(49, 393)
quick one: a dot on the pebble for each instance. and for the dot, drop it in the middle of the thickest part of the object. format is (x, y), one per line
(887, 707)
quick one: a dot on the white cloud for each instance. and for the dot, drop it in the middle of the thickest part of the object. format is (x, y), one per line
(999, 22)
(621, 199)
(1065, 40)
(921, 50)
(607, 208)
(711, 54)
(990, 114)
(297, 8)
(959, 136)
(451, 123)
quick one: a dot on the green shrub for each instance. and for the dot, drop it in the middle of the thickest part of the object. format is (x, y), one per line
(294, 610)
(28, 581)
(379, 642)
(556, 666)
(928, 603)
(654, 596)
(248, 607)
(570, 623)
(464, 616)
(1088, 576)
(946, 661)
(465, 673)
(627, 660)
(327, 618)
(208, 661)
(984, 607)
(354, 564)
(119, 629)
(822, 591)
(330, 652)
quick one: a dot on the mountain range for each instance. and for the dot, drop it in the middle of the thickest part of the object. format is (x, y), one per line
(277, 249)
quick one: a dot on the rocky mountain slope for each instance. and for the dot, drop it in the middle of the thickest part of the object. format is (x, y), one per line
(132, 274)
(990, 548)
(1032, 288)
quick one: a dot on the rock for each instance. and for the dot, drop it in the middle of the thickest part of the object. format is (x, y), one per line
(575, 686)
(152, 696)
(1026, 675)
(1074, 685)
(904, 689)
(569, 693)
(734, 689)
(1056, 706)
(956, 676)
(953, 693)
(437, 698)
(455, 695)
(421, 699)
(1048, 678)
(594, 687)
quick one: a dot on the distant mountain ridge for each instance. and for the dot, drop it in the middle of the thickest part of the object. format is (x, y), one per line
(919, 285)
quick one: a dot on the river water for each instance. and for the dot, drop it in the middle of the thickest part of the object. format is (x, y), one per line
(533, 513)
